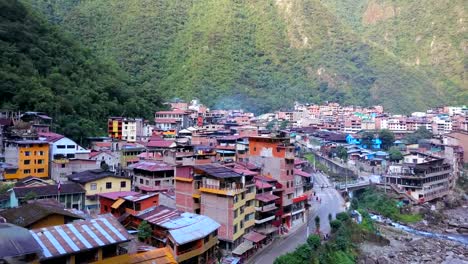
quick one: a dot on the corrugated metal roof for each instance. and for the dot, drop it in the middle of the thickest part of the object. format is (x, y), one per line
(155, 256)
(191, 226)
(196, 230)
(117, 203)
(266, 197)
(80, 235)
(152, 166)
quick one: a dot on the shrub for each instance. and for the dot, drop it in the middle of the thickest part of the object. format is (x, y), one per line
(335, 224)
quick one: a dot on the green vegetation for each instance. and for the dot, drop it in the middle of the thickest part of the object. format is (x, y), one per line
(387, 137)
(311, 159)
(263, 55)
(395, 154)
(44, 69)
(5, 186)
(376, 201)
(420, 133)
(144, 231)
(341, 248)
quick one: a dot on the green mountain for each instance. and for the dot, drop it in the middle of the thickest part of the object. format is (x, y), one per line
(43, 69)
(263, 55)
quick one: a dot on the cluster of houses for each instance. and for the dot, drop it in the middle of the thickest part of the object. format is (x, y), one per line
(352, 119)
(208, 185)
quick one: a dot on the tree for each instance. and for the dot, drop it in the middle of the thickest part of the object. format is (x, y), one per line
(104, 166)
(144, 231)
(30, 196)
(366, 139)
(284, 124)
(354, 204)
(395, 154)
(387, 138)
(317, 224)
(271, 125)
(334, 225)
(314, 242)
(342, 153)
(343, 216)
(420, 133)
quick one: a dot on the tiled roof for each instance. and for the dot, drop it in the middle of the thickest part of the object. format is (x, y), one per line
(218, 171)
(152, 166)
(262, 185)
(28, 214)
(80, 236)
(116, 195)
(301, 173)
(47, 190)
(155, 256)
(254, 236)
(266, 197)
(50, 136)
(91, 175)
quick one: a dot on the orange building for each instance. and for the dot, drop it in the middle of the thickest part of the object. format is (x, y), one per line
(119, 203)
(31, 157)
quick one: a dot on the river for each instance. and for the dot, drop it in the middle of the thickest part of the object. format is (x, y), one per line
(454, 237)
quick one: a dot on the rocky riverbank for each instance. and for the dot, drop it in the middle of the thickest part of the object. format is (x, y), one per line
(412, 249)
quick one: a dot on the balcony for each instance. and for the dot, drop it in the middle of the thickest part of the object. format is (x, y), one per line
(249, 210)
(264, 220)
(193, 252)
(250, 196)
(222, 191)
(266, 208)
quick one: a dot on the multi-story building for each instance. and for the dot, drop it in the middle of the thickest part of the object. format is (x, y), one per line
(62, 147)
(30, 156)
(220, 193)
(61, 168)
(275, 156)
(421, 176)
(120, 203)
(128, 129)
(97, 182)
(152, 176)
(171, 120)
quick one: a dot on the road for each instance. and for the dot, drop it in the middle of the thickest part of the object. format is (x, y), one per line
(332, 202)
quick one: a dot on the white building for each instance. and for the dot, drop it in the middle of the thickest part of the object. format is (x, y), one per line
(62, 147)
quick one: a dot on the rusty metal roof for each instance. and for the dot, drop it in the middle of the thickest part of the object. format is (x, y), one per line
(78, 236)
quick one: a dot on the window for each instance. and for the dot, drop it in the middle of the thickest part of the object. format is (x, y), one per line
(93, 186)
(70, 156)
(41, 153)
(40, 170)
(106, 208)
(206, 240)
(137, 206)
(27, 153)
(63, 165)
(60, 146)
(141, 181)
(27, 171)
(235, 214)
(108, 185)
(70, 146)
(147, 182)
(235, 228)
(123, 184)
(40, 161)
(27, 162)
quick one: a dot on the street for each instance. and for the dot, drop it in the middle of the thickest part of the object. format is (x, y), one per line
(332, 203)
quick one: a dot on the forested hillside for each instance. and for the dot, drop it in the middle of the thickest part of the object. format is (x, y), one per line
(263, 55)
(43, 69)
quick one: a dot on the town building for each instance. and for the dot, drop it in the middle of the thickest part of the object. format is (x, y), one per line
(39, 214)
(221, 194)
(152, 176)
(98, 182)
(171, 120)
(61, 168)
(82, 241)
(191, 238)
(127, 129)
(18, 245)
(421, 176)
(153, 256)
(30, 156)
(120, 203)
(62, 147)
(70, 195)
(110, 158)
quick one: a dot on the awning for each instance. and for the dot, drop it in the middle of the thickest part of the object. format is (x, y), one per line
(254, 237)
(117, 203)
(300, 198)
(242, 248)
(196, 195)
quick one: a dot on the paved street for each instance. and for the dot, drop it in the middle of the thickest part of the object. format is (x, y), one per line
(332, 203)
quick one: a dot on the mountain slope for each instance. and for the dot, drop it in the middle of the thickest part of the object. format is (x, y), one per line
(43, 69)
(260, 55)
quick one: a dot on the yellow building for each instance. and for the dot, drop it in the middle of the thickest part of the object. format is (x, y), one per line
(30, 156)
(99, 181)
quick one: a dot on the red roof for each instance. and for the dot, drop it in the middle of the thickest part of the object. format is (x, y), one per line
(152, 189)
(299, 162)
(245, 172)
(301, 173)
(262, 185)
(254, 236)
(152, 166)
(160, 144)
(175, 111)
(117, 195)
(50, 136)
(266, 197)
(103, 144)
(267, 179)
